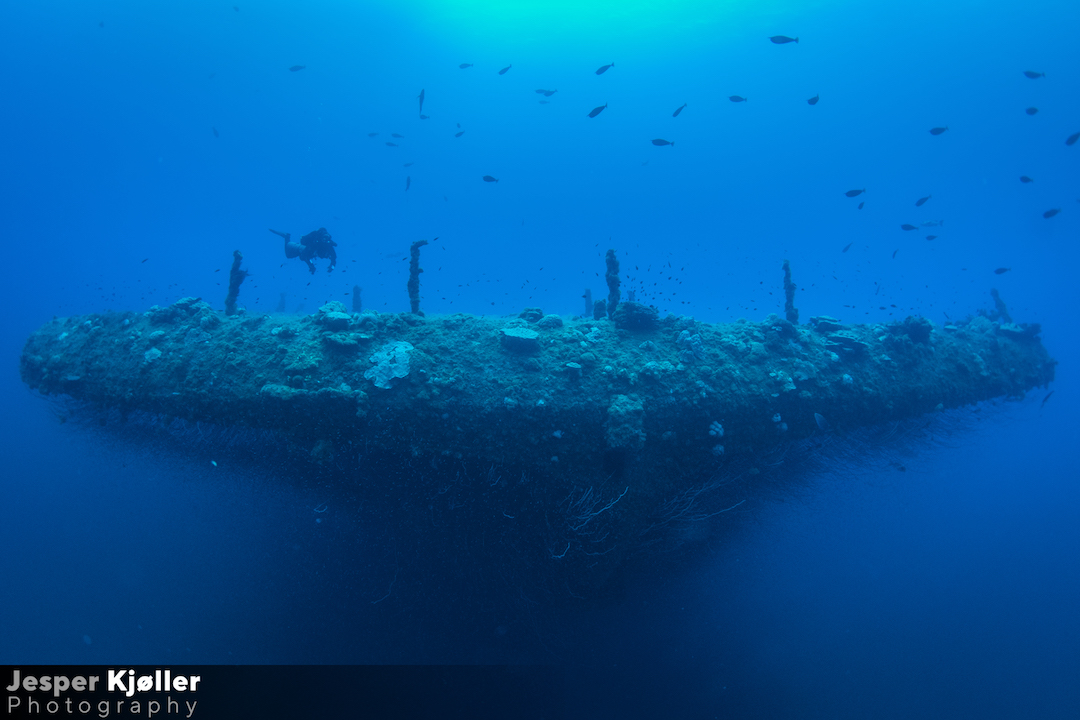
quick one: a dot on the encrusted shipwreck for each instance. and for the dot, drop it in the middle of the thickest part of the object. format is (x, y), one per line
(571, 441)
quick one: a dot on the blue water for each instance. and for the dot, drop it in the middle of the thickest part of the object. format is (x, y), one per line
(143, 143)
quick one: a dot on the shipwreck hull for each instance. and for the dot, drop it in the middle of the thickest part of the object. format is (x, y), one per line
(558, 446)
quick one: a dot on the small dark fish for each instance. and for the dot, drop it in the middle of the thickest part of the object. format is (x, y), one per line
(488, 178)
(678, 110)
(1034, 75)
(372, 134)
(459, 133)
(545, 102)
(390, 144)
(920, 201)
(847, 247)
(1051, 213)
(1032, 110)
(1071, 140)
(601, 71)
(931, 237)
(546, 93)
(144, 260)
(861, 204)
(408, 182)
(660, 142)
(1002, 271)
(1045, 399)
(737, 98)
(905, 226)
(813, 100)
(215, 132)
(938, 130)
(783, 39)
(1025, 179)
(894, 253)
(458, 125)
(933, 223)
(822, 423)
(597, 110)
(409, 164)
(297, 68)
(855, 193)
(465, 65)
(425, 117)
(503, 71)
(421, 96)
(395, 135)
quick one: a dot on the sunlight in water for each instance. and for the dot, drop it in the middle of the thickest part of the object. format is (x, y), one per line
(606, 21)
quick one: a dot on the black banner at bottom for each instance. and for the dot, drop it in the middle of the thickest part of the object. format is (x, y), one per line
(210, 692)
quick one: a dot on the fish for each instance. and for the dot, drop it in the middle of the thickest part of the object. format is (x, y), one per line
(503, 71)
(400, 137)
(462, 66)
(813, 100)
(408, 182)
(737, 98)
(546, 93)
(678, 110)
(1033, 75)
(408, 164)
(425, 117)
(822, 423)
(488, 178)
(1071, 140)
(297, 68)
(894, 253)
(847, 247)
(660, 142)
(855, 193)
(215, 132)
(1032, 110)
(861, 204)
(905, 226)
(933, 223)
(783, 39)
(1051, 213)
(922, 200)
(390, 144)
(1025, 179)
(459, 133)
(602, 70)
(1002, 271)
(545, 102)
(938, 130)
(372, 134)
(1045, 399)
(931, 237)
(421, 96)
(597, 110)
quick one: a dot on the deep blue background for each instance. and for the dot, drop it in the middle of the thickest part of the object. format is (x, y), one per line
(947, 591)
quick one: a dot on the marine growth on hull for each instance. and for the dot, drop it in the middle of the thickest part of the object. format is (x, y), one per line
(572, 443)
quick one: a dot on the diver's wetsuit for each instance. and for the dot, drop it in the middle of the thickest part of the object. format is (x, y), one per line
(315, 244)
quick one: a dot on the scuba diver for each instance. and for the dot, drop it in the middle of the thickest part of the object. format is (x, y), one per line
(315, 244)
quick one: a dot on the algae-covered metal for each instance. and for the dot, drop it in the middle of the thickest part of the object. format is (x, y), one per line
(627, 411)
